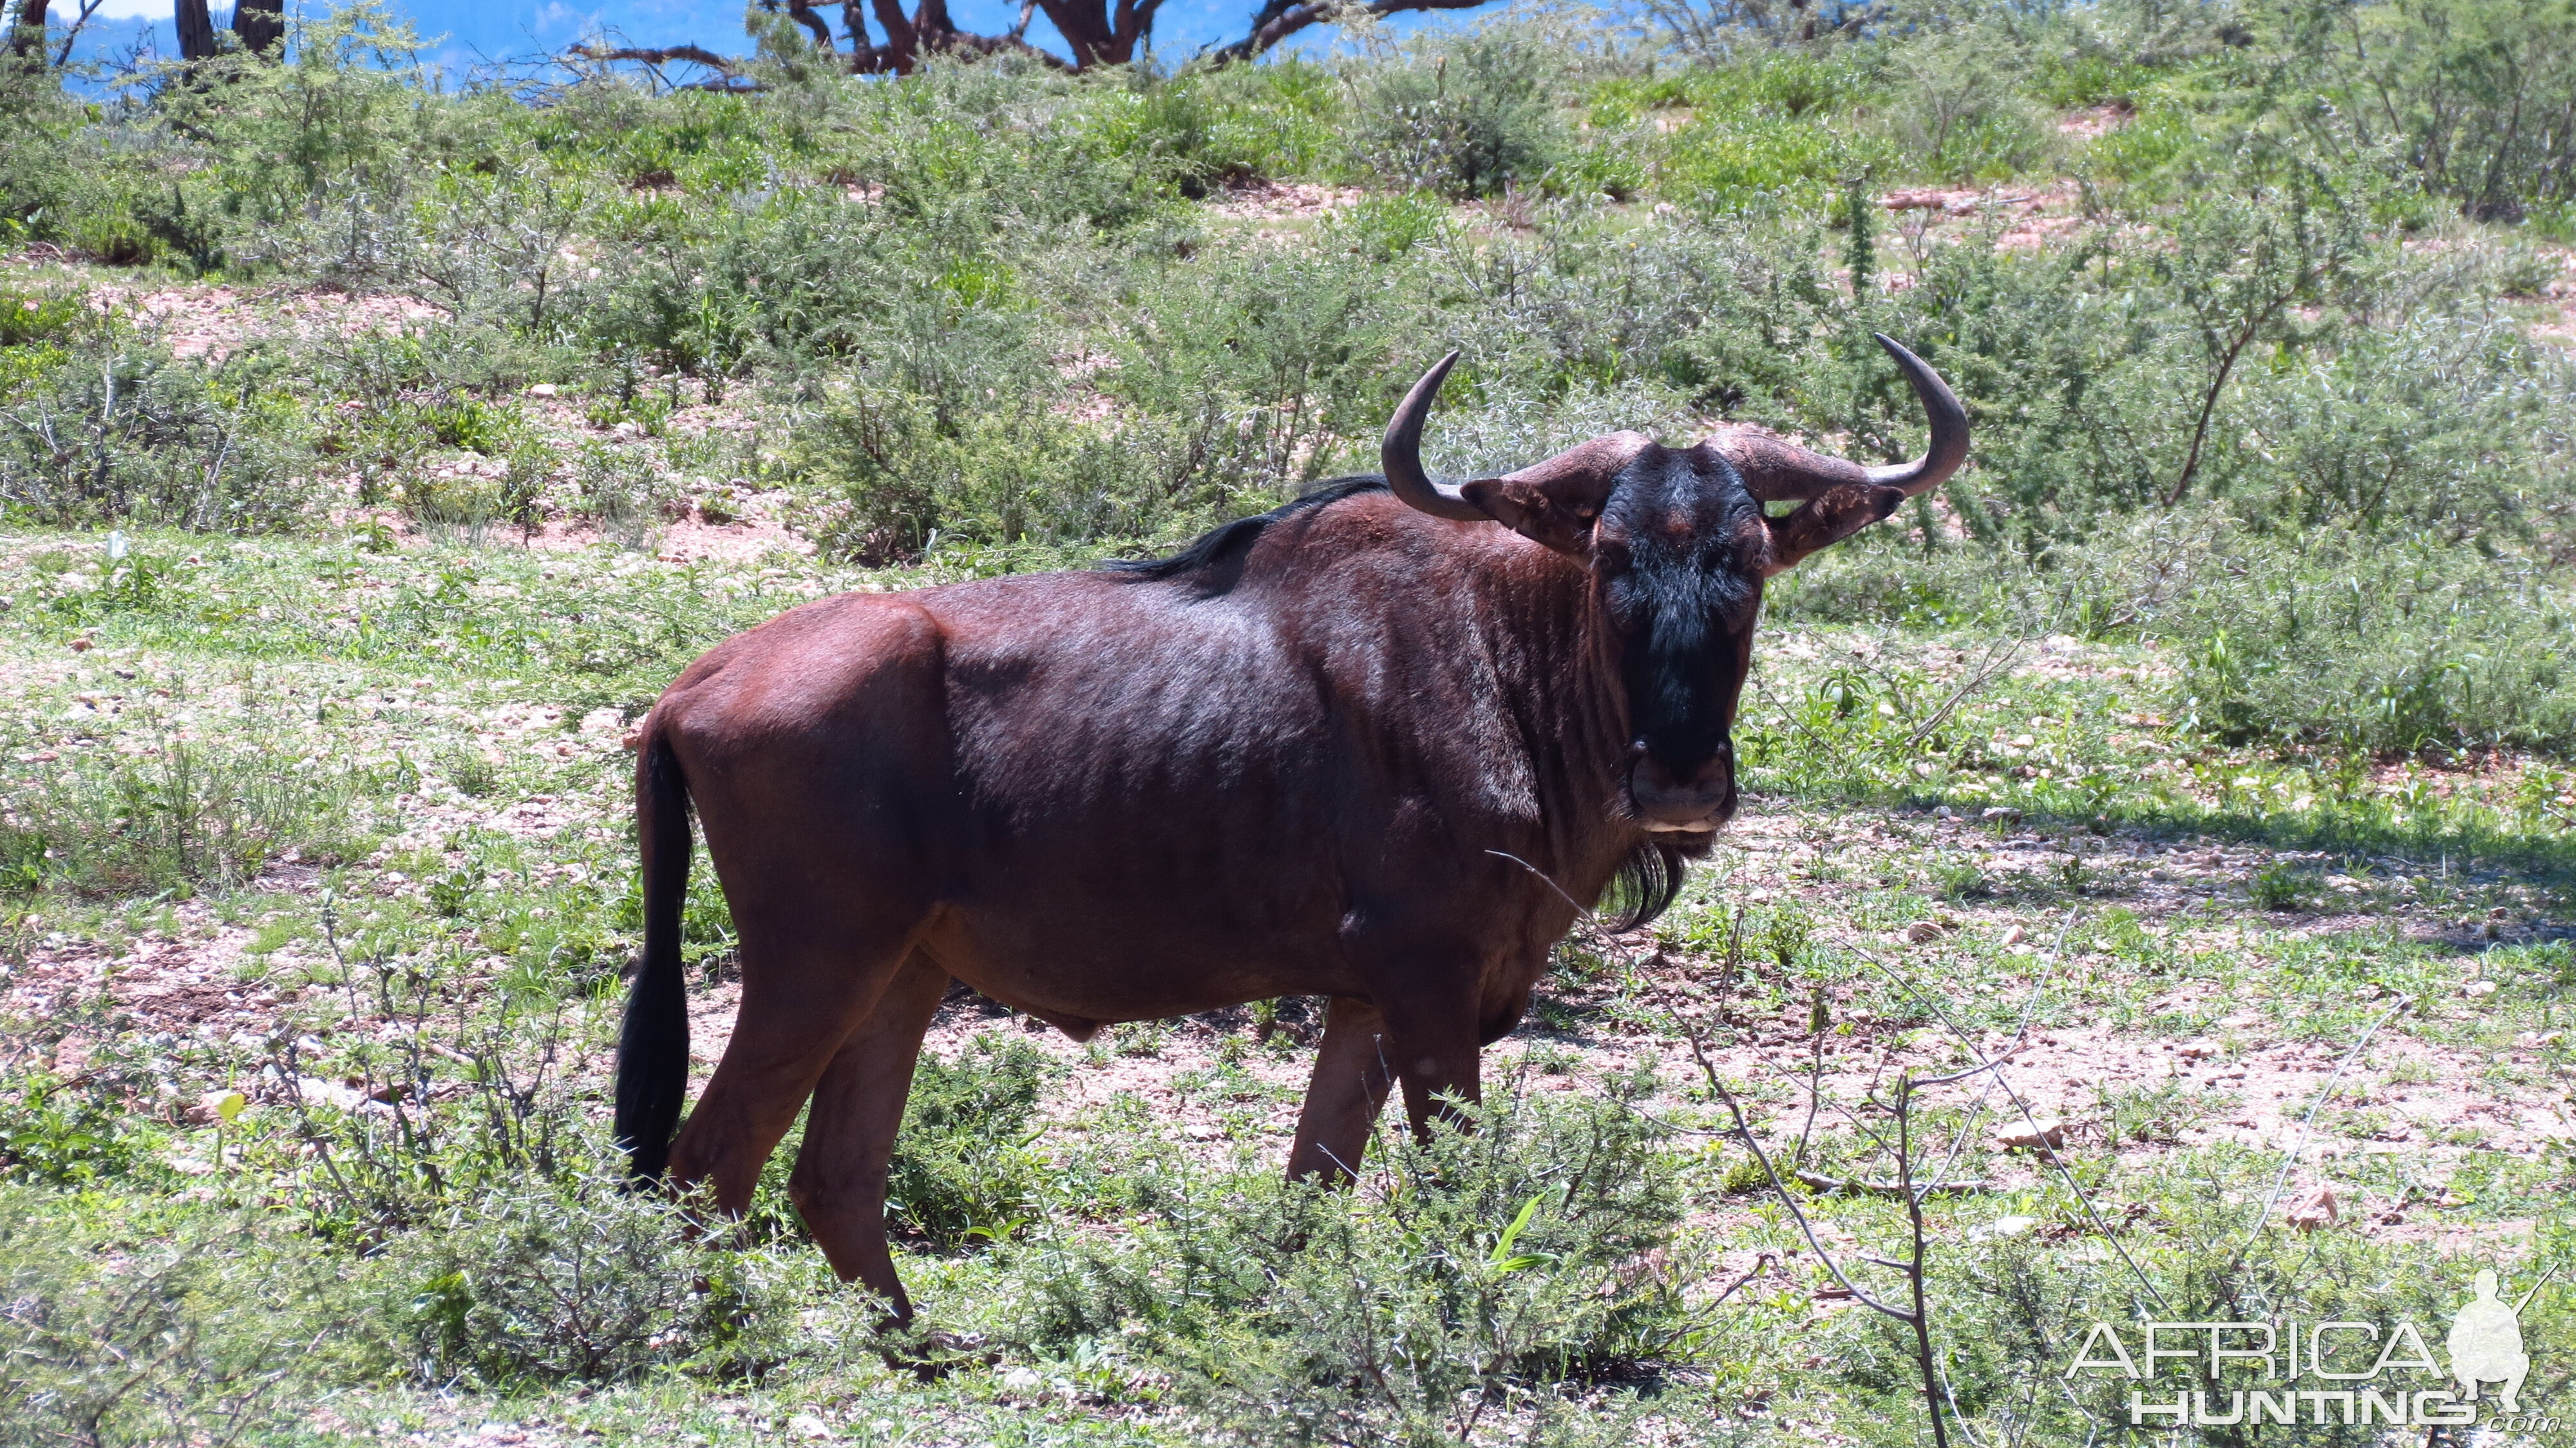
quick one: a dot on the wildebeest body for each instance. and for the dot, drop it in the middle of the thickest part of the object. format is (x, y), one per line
(1042, 795)
(1369, 746)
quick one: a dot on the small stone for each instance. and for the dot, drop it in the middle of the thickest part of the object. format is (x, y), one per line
(330, 1093)
(2042, 1134)
(222, 1104)
(544, 389)
(2479, 988)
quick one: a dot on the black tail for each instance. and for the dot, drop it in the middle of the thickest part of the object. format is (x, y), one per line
(653, 1051)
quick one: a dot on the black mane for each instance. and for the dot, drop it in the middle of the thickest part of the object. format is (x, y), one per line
(1646, 885)
(1222, 547)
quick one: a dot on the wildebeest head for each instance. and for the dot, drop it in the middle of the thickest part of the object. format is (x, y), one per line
(1678, 544)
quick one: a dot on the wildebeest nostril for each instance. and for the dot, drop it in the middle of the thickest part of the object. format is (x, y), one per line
(1662, 797)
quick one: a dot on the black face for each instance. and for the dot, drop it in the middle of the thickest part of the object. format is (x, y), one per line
(1678, 554)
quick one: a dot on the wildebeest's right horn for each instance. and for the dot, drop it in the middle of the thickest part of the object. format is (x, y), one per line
(1949, 423)
(1401, 454)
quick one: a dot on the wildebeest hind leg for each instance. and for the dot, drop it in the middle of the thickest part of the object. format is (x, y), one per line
(1343, 1098)
(802, 996)
(840, 1179)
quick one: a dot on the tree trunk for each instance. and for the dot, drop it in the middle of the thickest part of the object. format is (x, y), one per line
(28, 36)
(261, 24)
(802, 12)
(1102, 32)
(196, 30)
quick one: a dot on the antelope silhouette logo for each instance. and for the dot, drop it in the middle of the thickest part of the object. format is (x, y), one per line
(2486, 1344)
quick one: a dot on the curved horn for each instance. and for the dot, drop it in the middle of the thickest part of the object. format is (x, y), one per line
(1777, 470)
(1949, 445)
(1401, 453)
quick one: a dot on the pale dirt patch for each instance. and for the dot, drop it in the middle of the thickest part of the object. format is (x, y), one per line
(212, 322)
(2557, 322)
(2094, 121)
(2031, 217)
(1281, 211)
(692, 539)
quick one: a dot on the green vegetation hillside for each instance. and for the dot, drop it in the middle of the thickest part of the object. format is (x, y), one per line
(373, 450)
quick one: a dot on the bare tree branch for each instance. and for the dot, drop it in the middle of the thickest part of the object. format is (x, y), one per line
(661, 55)
(71, 36)
(802, 12)
(1277, 20)
(728, 73)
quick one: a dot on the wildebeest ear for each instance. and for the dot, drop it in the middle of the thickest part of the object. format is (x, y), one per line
(1532, 514)
(1828, 518)
(1556, 502)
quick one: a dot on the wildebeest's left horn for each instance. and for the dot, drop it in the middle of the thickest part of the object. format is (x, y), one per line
(1949, 445)
(1776, 470)
(1401, 453)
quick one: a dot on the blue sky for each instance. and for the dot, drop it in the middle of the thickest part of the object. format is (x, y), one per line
(521, 31)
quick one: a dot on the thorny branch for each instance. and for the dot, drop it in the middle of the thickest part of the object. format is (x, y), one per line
(2029, 1118)
(1918, 1316)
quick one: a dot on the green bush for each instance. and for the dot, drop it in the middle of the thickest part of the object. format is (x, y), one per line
(108, 429)
(1485, 1272)
(1235, 123)
(176, 817)
(1956, 107)
(585, 1282)
(962, 1162)
(2448, 83)
(64, 1134)
(1462, 116)
(158, 1338)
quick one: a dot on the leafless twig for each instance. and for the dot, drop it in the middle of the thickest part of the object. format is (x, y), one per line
(2290, 1158)
(2029, 1118)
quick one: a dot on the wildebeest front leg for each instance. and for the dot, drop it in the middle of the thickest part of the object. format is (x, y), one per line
(1432, 1030)
(839, 1184)
(1352, 1075)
